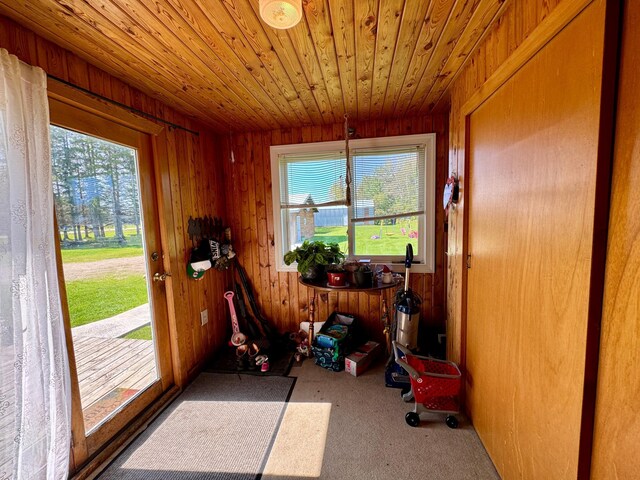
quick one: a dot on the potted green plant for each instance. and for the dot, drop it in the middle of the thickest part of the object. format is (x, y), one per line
(312, 257)
(336, 275)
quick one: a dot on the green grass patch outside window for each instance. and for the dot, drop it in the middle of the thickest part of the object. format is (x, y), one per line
(143, 333)
(80, 255)
(99, 298)
(390, 239)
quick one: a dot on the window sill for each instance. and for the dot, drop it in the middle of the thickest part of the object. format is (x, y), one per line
(415, 268)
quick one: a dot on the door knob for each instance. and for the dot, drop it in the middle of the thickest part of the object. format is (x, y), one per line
(160, 277)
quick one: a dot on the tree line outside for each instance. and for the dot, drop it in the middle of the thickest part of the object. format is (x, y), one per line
(96, 191)
(393, 188)
(97, 205)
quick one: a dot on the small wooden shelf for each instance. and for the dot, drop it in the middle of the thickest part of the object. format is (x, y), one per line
(377, 288)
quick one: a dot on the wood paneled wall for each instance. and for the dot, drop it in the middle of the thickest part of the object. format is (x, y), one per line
(515, 25)
(248, 189)
(617, 430)
(190, 185)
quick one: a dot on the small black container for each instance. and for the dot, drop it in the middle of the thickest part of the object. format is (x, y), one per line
(363, 278)
(316, 273)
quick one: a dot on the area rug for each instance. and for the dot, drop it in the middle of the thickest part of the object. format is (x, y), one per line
(226, 361)
(220, 428)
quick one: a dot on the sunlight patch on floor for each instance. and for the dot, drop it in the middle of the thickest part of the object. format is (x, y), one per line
(298, 450)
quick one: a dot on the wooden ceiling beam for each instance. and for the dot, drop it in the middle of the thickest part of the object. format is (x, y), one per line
(286, 51)
(199, 71)
(486, 14)
(453, 28)
(366, 25)
(434, 23)
(221, 34)
(389, 21)
(413, 17)
(321, 35)
(295, 91)
(452, 36)
(303, 45)
(106, 58)
(342, 18)
(216, 60)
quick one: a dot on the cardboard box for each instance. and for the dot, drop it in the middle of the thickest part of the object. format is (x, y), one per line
(359, 361)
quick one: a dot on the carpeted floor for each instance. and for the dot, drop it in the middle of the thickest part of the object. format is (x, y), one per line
(220, 428)
(335, 427)
(340, 427)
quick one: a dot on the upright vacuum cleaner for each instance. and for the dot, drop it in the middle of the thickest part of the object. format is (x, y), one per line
(405, 328)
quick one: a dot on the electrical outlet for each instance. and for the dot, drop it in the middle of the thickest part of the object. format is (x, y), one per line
(204, 317)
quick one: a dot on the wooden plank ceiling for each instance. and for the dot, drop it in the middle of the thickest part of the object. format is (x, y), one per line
(217, 61)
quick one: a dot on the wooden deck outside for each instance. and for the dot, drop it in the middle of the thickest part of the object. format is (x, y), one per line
(110, 372)
(7, 407)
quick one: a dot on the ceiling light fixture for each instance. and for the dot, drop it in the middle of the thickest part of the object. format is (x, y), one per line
(281, 14)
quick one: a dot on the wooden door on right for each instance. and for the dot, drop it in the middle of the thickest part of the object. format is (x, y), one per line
(532, 157)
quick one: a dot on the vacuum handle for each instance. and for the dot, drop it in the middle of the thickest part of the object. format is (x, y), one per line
(409, 256)
(407, 263)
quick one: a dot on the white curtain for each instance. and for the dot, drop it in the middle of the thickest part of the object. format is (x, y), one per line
(35, 413)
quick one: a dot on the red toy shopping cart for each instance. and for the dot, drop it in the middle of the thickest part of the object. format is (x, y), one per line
(435, 385)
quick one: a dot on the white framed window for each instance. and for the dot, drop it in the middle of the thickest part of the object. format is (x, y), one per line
(391, 198)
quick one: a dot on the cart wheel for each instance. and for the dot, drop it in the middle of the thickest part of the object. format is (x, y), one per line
(452, 422)
(412, 418)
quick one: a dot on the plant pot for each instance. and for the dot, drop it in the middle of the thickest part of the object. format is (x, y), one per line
(315, 273)
(351, 268)
(337, 278)
(363, 279)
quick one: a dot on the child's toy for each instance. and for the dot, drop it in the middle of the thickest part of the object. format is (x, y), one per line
(333, 341)
(435, 385)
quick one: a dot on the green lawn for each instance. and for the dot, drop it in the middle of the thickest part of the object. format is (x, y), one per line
(99, 298)
(391, 241)
(143, 333)
(78, 255)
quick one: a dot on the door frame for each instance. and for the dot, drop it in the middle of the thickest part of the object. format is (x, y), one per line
(75, 110)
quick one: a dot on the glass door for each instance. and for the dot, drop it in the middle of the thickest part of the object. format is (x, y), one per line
(109, 250)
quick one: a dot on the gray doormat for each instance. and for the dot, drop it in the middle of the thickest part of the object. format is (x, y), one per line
(220, 428)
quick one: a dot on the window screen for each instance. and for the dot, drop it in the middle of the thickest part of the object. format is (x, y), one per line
(312, 179)
(388, 183)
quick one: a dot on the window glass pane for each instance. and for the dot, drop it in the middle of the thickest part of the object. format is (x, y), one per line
(326, 224)
(314, 180)
(98, 208)
(386, 237)
(389, 195)
(388, 181)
